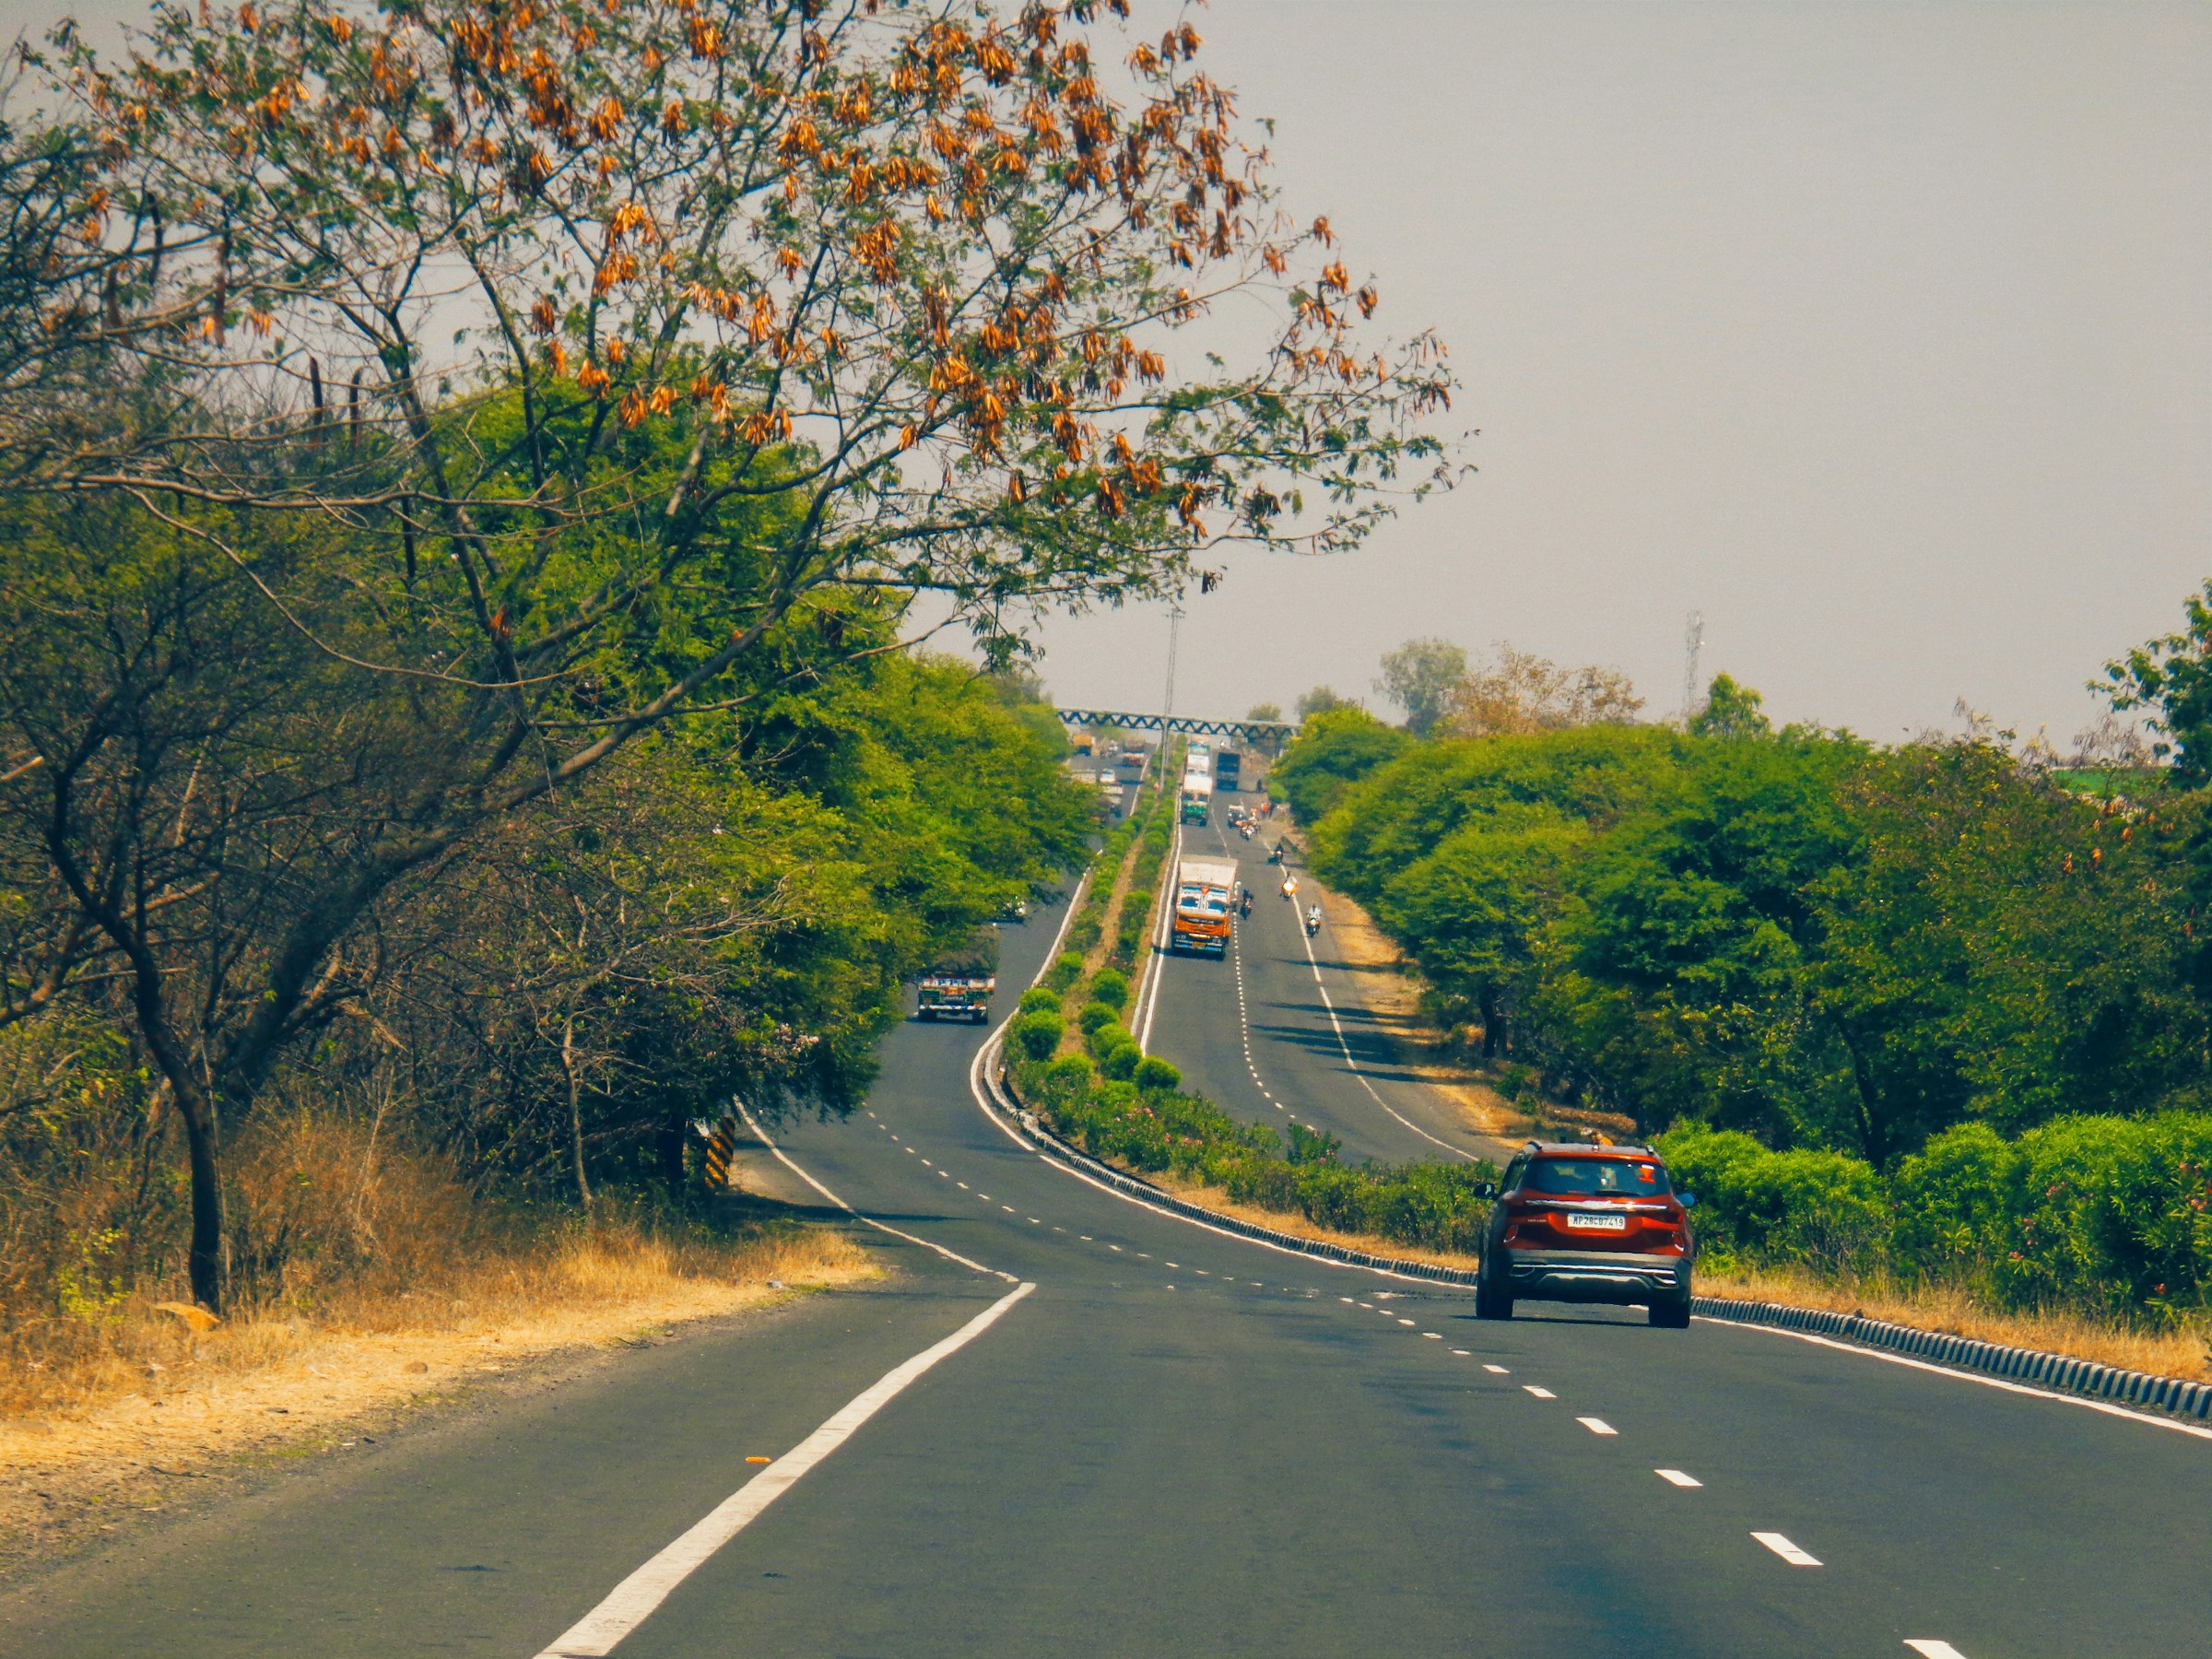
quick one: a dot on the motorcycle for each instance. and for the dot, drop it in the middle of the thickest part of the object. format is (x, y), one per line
(1313, 920)
(1274, 854)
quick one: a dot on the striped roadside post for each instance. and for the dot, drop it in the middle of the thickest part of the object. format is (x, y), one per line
(722, 1141)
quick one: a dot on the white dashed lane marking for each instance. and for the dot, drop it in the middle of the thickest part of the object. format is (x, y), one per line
(1927, 1647)
(1541, 1394)
(1676, 1477)
(1785, 1549)
(1597, 1425)
(1497, 1370)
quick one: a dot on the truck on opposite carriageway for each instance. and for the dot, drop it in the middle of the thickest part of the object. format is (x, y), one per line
(1204, 888)
(960, 984)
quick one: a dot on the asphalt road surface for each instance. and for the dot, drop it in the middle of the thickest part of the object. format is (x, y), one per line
(1276, 1034)
(1180, 1444)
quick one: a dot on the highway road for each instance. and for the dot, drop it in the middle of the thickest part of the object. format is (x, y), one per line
(1278, 1034)
(1177, 1442)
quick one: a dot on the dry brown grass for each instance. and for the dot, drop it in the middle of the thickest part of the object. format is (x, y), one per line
(113, 1434)
(367, 1277)
(1214, 1199)
(2173, 1353)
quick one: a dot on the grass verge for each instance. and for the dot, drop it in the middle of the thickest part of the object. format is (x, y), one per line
(2167, 1353)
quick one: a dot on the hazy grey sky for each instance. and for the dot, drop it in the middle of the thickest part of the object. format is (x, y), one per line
(1881, 333)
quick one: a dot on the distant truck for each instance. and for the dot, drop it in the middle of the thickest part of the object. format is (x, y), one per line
(1197, 797)
(1229, 769)
(1203, 892)
(1085, 743)
(959, 984)
(1198, 759)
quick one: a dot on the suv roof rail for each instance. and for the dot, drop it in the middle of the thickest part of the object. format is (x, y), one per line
(1630, 1149)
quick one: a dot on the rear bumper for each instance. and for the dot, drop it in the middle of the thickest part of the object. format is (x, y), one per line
(1591, 1275)
(1197, 945)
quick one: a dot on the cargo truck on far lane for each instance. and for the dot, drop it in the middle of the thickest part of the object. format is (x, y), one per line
(1203, 892)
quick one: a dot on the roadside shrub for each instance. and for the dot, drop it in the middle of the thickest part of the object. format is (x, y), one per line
(1092, 1016)
(1084, 932)
(1070, 1071)
(1120, 1064)
(1819, 1209)
(1066, 969)
(1036, 1035)
(1111, 988)
(1106, 1036)
(1038, 1000)
(1955, 1203)
(1152, 1072)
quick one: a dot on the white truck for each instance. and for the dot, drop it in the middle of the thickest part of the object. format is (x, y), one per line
(1205, 891)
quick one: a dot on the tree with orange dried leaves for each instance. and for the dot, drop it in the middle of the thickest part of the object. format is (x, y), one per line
(588, 353)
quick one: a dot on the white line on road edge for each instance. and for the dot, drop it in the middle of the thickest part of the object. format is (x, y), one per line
(635, 1598)
(1676, 1477)
(2106, 1407)
(1313, 962)
(1785, 1549)
(1928, 1648)
(950, 1255)
(1159, 952)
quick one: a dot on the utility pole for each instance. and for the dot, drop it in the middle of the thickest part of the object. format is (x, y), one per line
(1167, 711)
(1693, 641)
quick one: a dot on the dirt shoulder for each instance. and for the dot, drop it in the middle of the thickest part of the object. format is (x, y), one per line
(229, 1404)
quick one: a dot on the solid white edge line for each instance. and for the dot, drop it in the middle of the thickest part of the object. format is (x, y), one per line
(1785, 1549)
(950, 1255)
(2005, 1383)
(997, 1034)
(632, 1601)
(1353, 1065)
(1159, 953)
(1927, 1647)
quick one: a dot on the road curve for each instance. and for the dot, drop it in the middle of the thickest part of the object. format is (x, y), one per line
(1183, 1443)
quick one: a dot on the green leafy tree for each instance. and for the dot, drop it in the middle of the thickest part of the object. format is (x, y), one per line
(1420, 677)
(1332, 749)
(2168, 680)
(1730, 710)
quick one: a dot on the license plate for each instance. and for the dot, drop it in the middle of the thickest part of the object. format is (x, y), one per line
(1583, 1223)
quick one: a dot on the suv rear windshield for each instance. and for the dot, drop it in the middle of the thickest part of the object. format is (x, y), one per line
(1578, 1177)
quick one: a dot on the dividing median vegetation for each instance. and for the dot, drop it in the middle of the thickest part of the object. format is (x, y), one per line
(1071, 1059)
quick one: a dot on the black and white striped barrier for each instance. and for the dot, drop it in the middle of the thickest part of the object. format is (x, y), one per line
(2062, 1373)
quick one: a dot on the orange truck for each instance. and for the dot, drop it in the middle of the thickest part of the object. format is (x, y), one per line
(1203, 892)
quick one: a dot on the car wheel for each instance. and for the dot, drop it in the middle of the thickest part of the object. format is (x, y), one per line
(1493, 1304)
(1672, 1315)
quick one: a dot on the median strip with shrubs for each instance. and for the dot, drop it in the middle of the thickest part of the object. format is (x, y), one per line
(1074, 1062)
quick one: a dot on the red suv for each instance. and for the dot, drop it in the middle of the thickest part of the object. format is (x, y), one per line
(1589, 1224)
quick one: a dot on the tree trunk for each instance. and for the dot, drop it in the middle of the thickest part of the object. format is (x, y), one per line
(204, 1260)
(674, 1128)
(1491, 1007)
(568, 1065)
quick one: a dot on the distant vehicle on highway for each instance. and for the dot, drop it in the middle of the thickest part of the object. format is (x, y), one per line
(1110, 777)
(1202, 891)
(1014, 909)
(1229, 767)
(1198, 798)
(959, 984)
(1588, 1224)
